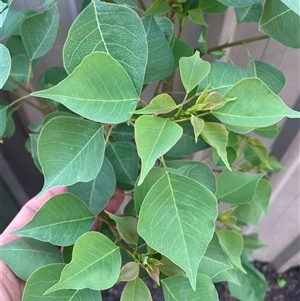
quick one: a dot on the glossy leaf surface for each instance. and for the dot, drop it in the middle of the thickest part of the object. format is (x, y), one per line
(182, 206)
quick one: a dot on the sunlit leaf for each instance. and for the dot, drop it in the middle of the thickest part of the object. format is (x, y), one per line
(5, 64)
(292, 5)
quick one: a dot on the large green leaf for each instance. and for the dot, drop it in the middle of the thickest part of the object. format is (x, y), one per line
(236, 187)
(70, 150)
(107, 23)
(98, 89)
(60, 221)
(270, 75)
(232, 245)
(256, 106)
(97, 192)
(95, 264)
(125, 162)
(253, 285)
(222, 77)
(136, 290)
(240, 3)
(281, 23)
(25, 255)
(175, 211)
(249, 14)
(214, 260)
(193, 70)
(216, 135)
(39, 32)
(250, 213)
(178, 288)
(5, 64)
(154, 137)
(160, 57)
(292, 4)
(44, 278)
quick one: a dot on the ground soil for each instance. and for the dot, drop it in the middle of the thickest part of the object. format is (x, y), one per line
(290, 290)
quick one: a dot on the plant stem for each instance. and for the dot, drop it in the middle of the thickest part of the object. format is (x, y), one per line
(142, 5)
(17, 100)
(240, 42)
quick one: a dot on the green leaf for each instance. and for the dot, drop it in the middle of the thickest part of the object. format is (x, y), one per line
(232, 245)
(5, 64)
(231, 156)
(240, 3)
(3, 114)
(95, 264)
(281, 23)
(186, 144)
(222, 76)
(250, 92)
(108, 22)
(52, 77)
(73, 141)
(98, 89)
(270, 132)
(251, 243)
(216, 135)
(34, 150)
(122, 132)
(198, 171)
(236, 187)
(97, 192)
(175, 210)
(25, 255)
(67, 253)
(166, 26)
(292, 5)
(4, 8)
(160, 57)
(60, 221)
(202, 41)
(270, 75)
(193, 70)
(249, 14)
(180, 49)
(39, 32)
(161, 104)
(198, 125)
(158, 7)
(253, 285)
(212, 6)
(178, 288)
(161, 134)
(195, 15)
(250, 213)
(136, 290)
(10, 124)
(169, 268)
(214, 260)
(44, 278)
(128, 3)
(228, 276)
(129, 271)
(124, 160)
(127, 227)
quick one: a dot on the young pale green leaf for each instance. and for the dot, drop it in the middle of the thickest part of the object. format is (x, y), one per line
(44, 278)
(222, 76)
(95, 264)
(3, 114)
(129, 271)
(102, 34)
(97, 192)
(214, 260)
(127, 227)
(253, 285)
(259, 150)
(178, 288)
(193, 70)
(196, 16)
(39, 32)
(186, 144)
(160, 57)
(161, 104)
(25, 255)
(212, 6)
(281, 23)
(250, 213)
(216, 135)
(175, 210)
(232, 245)
(240, 3)
(122, 132)
(180, 49)
(250, 92)
(60, 221)
(292, 5)
(98, 89)
(198, 171)
(248, 14)
(74, 142)
(228, 276)
(270, 75)
(236, 187)
(166, 26)
(5, 64)
(154, 137)
(136, 290)
(158, 7)
(125, 161)
(198, 125)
